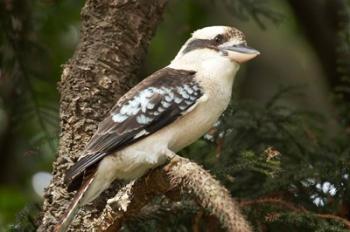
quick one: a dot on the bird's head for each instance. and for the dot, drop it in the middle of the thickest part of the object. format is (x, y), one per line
(217, 41)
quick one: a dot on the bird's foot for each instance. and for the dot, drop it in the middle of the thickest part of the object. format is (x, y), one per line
(169, 154)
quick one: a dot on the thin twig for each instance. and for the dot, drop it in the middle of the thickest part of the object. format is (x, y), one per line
(290, 206)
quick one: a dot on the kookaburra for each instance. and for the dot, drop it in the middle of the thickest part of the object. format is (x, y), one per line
(164, 113)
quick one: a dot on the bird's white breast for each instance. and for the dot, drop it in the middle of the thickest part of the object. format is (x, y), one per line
(216, 78)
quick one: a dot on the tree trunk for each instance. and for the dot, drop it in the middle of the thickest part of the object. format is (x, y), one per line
(114, 38)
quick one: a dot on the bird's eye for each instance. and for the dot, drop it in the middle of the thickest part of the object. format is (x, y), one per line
(219, 39)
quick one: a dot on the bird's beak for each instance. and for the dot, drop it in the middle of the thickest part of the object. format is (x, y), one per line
(240, 52)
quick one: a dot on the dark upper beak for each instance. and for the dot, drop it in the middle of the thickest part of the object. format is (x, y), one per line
(241, 48)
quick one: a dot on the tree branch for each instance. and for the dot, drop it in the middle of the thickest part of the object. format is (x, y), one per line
(179, 175)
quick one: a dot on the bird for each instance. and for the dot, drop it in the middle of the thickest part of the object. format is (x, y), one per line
(167, 111)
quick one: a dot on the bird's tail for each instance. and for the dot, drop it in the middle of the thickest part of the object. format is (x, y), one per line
(73, 208)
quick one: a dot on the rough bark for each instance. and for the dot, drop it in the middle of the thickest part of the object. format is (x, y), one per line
(114, 37)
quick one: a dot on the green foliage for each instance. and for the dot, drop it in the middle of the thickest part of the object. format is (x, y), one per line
(11, 201)
(280, 154)
(30, 81)
(26, 219)
(36, 38)
(343, 65)
(256, 9)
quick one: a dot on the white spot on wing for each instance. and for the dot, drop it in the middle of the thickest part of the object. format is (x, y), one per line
(188, 89)
(142, 119)
(195, 88)
(182, 92)
(178, 100)
(150, 106)
(144, 100)
(119, 117)
(168, 98)
(170, 93)
(131, 108)
(182, 107)
(165, 89)
(147, 92)
(165, 104)
(140, 102)
(141, 133)
(134, 103)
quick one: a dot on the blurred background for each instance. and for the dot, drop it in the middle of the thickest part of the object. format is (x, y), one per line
(303, 70)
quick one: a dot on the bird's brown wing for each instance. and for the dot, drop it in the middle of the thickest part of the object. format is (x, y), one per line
(149, 106)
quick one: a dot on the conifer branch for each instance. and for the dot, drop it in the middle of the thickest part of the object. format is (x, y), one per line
(292, 207)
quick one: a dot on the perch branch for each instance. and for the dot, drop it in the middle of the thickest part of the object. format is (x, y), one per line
(179, 175)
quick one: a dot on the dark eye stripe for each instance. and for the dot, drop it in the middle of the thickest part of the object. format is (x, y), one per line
(207, 43)
(198, 43)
